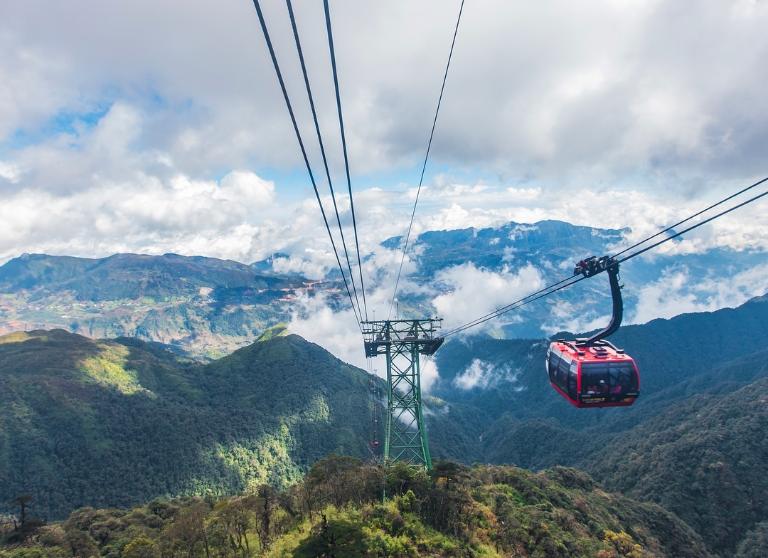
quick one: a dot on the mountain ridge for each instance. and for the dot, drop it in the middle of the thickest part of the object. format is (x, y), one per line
(208, 307)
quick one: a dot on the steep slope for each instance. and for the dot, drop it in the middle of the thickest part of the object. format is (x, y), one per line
(755, 543)
(695, 442)
(542, 442)
(106, 423)
(118, 422)
(704, 460)
(337, 511)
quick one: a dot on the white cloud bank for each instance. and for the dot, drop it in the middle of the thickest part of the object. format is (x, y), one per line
(485, 375)
(628, 87)
(678, 293)
(475, 292)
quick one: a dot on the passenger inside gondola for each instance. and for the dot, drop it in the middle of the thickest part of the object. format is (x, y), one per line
(604, 378)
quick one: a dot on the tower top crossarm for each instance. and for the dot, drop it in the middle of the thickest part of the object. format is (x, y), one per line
(381, 334)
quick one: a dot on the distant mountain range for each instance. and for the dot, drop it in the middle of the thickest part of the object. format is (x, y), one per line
(203, 306)
(106, 423)
(209, 307)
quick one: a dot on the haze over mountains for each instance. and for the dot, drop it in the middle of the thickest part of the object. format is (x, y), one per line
(209, 307)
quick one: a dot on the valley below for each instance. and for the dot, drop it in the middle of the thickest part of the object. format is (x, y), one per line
(109, 425)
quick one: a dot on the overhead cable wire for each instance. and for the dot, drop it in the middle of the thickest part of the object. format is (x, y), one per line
(344, 148)
(697, 225)
(311, 98)
(288, 104)
(568, 281)
(671, 227)
(426, 158)
(502, 309)
(515, 305)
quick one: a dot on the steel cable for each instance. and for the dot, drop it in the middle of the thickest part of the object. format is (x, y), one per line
(332, 51)
(426, 158)
(311, 98)
(288, 104)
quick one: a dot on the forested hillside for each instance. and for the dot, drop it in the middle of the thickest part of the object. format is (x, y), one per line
(337, 511)
(501, 384)
(704, 460)
(695, 442)
(115, 423)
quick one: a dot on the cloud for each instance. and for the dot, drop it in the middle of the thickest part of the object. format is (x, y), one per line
(485, 375)
(605, 127)
(429, 374)
(622, 93)
(9, 172)
(179, 215)
(677, 293)
(314, 319)
(473, 291)
(245, 187)
(565, 316)
(156, 145)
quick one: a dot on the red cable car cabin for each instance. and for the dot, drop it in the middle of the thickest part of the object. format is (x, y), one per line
(594, 375)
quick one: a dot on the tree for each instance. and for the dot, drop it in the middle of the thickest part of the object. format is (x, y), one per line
(22, 501)
(141, 547)
(27, 525)
(82, 544)
(188, 530)
(448, 473)
(230, 524)
(329, 479)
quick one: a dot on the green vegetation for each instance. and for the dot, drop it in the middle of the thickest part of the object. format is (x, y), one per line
(705, 461)
(118, 423)
(755, 543)
(115, 423)
(694, 442)
(338, 511)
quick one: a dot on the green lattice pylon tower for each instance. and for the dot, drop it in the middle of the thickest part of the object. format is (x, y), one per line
(403, 342)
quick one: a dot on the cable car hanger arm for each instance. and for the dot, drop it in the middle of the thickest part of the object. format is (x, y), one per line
(592, 266)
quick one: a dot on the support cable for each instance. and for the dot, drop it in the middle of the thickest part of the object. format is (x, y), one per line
(697, 225)
(311, 98)
(568, 281)
(671, 227)
(505, 308)
(288, 104)
(344, 147)
(518, 304)
(426, 158)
